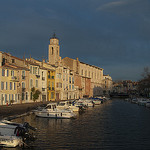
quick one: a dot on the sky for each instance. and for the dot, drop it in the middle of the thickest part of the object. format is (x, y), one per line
(111, 34)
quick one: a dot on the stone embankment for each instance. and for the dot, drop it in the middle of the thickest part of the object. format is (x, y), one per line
(12, 111)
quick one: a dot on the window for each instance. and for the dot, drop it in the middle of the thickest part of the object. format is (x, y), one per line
(6, 86)
(73, 87)
(5, 98)
(52, 51)
(36, 83)
(72, 80)
(69, 87)
(59, 75)
(52, 84)
(12, 73)
(89, 73)
(10, 85)
(7, 72)
(26, 95)
(31, 83)
(23, 72)
(30, 69)
(52, 95)
(14, 86)
(35, 69)
(23, 85)
(13, 60)
(15, 97)
(82, 72)
(85, 73)
(3, 72)
(69, 79)
(2, 85)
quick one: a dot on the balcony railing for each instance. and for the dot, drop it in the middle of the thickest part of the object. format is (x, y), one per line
(23, 89)
(50, 77)
(43, 89)
(23, 77)
(38, 76)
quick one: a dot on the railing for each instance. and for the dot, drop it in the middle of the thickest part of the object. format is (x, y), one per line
(43, 89)
(23, 77)
(38, 76)
(23, 89)
(50, 77)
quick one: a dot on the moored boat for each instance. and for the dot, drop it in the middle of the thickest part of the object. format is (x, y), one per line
(14, 134)
(51, 111)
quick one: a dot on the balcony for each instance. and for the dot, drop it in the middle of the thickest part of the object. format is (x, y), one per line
(14, 79)
(43, 78)
(23, 77)
(43, 89)
(38, 76)
(23, 89)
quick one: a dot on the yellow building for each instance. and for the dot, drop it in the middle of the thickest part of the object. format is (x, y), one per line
(51, 85)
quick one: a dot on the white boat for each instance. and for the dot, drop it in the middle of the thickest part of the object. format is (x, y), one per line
(14, 134)
(148, 104)
(67, 105)
(97, 102)
(142, 102)
(51, 111)
(10, 141)
(87, 102)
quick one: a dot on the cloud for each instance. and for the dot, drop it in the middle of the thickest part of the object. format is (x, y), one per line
(110, 5)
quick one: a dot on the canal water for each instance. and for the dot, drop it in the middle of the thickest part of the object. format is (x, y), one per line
(114, 125)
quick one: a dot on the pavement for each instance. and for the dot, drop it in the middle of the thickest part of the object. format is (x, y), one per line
(18, 109)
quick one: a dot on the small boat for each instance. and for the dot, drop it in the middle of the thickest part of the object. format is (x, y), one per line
(142, 102)
(51, 111)
(148, 104)
(67, 105)
(87, 102)
(14, 134)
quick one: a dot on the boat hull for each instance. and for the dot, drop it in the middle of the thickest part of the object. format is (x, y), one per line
(58, 115)
(10, 141)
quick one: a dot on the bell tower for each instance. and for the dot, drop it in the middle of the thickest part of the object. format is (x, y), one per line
(53, 53)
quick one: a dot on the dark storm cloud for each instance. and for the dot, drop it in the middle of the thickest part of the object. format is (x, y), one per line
(112, 34)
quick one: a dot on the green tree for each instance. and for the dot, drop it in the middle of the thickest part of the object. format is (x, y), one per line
(35, 94)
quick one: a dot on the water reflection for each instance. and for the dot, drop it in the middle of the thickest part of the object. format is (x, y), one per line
(114, 125)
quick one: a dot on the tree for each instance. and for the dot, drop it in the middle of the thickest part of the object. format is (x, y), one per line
(35, 94)
(144, 83)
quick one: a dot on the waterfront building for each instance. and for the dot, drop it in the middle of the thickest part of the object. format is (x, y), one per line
(47, 80)
(64, 82)
(34, 79)
(88, 79)
(107, 84)
(13, 73)
(125, 86)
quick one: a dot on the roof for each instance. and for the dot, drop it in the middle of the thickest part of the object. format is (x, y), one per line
(32, 63)
(12, 66)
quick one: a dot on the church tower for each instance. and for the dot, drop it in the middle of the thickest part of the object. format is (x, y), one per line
(53, 53)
